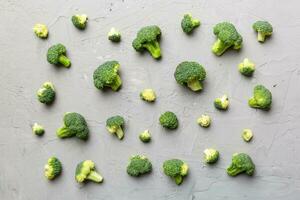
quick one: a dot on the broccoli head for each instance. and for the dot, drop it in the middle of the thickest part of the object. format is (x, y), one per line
(85, 171)
(57, 55)
(106, 75)
(246, 67)
(148, 95)
(241, 163)
(176, 169)
(148, 38)
(263, 29)
(247, 135)
(145, 136)
(38, 129)
(191, 74)
(262, 98)
(114, 125)
(41, 30)
(114, 35)
(139, 165)
(188, 23)
(53, 168)
(79, 21)
(222, 103)
(227, 37)
(168, 120)
(74, 125)
(46, 94)
(204, 121)
(211, 156)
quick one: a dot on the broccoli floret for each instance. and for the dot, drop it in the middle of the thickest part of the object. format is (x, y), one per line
(57, 55)
(247, 135)
(241, 163)
(211, 156)
(46, 94)
(222, 103)
(85, 171)
(145, 136)
(79, 21)
(106, 75)
(176, 169)
(41, 30)
(227, 36)
(168, 120)
(263, 29)
(114, 35)
(246, 67)
(188, 23)
(148, 95)
(139, 165)
(74, 125)
(38, 129)
(262, 98)
(191, 74)
(204, 121)
(115, 125)
(148, 38)
(53, 168)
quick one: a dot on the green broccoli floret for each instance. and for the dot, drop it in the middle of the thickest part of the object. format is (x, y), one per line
(139, 165)
(148, 95)
(145, 136)
(188, 23)
(168, 120)
(191, 74)
(74, 125)
(38, 129)
(241, 163)
(227, 37)
(57, 55)
(85, 171)
(211, 156)
(176, 169)
(79, 21)
(114, 35)
(41, 30)
(148, 38)
(222, 103)
(115, 125)
(262, 98)
(204, 121)
(46, 94)
(53, 168)
(106, 75)
(263, 29)
(247, 135)
(246, 67)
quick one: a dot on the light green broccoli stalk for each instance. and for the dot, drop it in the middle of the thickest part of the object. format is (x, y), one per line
(79, 21)
(204, 121)
(188, 23)
(115, 125)
(246, 67)
(114, 35)
(211, 156)
(38, 129)
(46, 94)
(241, 163)
(176, 169)
(263, 29)
(41, 30)
(85, 171)
(53, 168)
(168, 120)
(247, 135)
(145, 136)
(139, 165)
(57, 55)
(262, 98)
(148, 95)
(222, 103)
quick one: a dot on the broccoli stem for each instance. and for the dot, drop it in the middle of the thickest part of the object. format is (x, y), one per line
(154, 49)
(117, 83)
(261, 37)
(195, 85)
(252, 102)
(94, 176)
(233, 171)
(63, 132)
(178, 180)
(219, 47)
(120, 133)
(64, 60)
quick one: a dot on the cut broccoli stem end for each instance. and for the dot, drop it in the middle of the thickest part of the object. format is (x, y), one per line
(120, 133)
(154, 49)
(219, 47)
(196, 23)
(63, 132)
(64, 60)
(252, 103)
(194, 85)
(116, 84)
(261, 36)
(94, 176)
(178, 179)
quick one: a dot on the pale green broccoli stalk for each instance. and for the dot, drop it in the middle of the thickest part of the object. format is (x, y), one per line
(115, 125)
(38, 129)
(85, 171)
(114, 35)
(188, 23)
(46, 94)
(168, 120)
(145, 136)
(139, 165)
(176, 169)
(247, 135)
(222, 103)
(204, 121)
(79, 21)
(53, 168)
(148, 95)
(263, 29)
(246, 67)
(241, 163)
(211, 156)
(57, 55)
(262, 98)
(41, 30)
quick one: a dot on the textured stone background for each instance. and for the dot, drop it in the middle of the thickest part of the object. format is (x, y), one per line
(275, 148)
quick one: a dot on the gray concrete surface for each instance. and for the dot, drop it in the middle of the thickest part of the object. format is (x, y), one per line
(275, 148)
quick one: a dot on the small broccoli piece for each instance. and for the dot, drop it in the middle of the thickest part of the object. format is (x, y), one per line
(53, 168)
(188, 23)
(46, 94)
(38, 129)
(85, 171)
(74, 125)
(139, 165)
(262, 98)
(204, 121)
(145, 136)
(227, 37)
(115, 125)
(222, 103)
(106, 75)
(168, 120)
(247, 135)
(191, 74)
(241, 163)
(263, 29)
(41, 30)
(148, 95)
(114, 35)
(246, 67)
(79, 21)
(211, 156)
(176, 169)
(148, 38)
(57, 55)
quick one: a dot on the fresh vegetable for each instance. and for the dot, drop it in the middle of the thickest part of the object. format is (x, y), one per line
(246, 67)
(247, 135)
(176, 169)
(53, 168)
(148, 95)
(241, 163)
(38, 129)
(262, 98)
(41, 30)
(204, 121)
(79, 21)
(114, 35)
(139, 165)
(211, 155)
(188, 23)
(263, 29)
(222, 103)
(57, 55)
(46, 94)
(115, 125)
(168, 120)
(85, 171)
(145, 136)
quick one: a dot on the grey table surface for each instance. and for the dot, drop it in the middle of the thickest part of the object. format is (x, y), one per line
(276, 145)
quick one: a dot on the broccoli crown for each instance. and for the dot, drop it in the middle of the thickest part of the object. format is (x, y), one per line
(115, 125)
(241, 163)
(106, 75)
(148, 95)
(247, 135)
(227, 36)
(168, 120)
(148, 38)
(191, 74)
(145, 136)
(263, 29)
(204, 121)
(246, 67)
(188, 23)
(85, 170)
(57, 55)
(38, 129)
(79, 21)
(261, 99)
(53, 168)
(139, 165)
(176, 169)
(211, 156)
(222, 103)
(114, 35)
(41, 30)
(46, 94)
(74, 125)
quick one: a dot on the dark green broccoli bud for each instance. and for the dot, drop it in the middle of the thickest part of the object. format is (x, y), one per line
(115, 125)
(148, 95)
(145, 136)
(38, 129)
(246, 67)
(85, 171)
(176, 169)
(222, 103)
(46, 94)
(227, 37)
(57, 55)
(114, 35)
(191, 74)
(53, 168)
(204, 121)
(247, 135)
(106, 75)
(241, 163)
(41, 30)
(139, 165)
(148, 38)
(211, 156)
(74, 125)
(263, 29)
(262, 98)
(188, 23)
(79, 21)
(168, 120)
